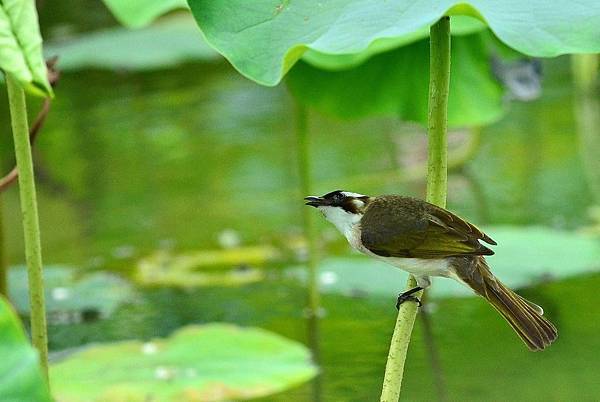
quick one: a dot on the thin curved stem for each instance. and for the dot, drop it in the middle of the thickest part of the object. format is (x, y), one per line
(437, 177)
(33, 252)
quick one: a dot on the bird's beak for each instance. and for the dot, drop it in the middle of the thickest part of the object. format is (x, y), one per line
(315, 201)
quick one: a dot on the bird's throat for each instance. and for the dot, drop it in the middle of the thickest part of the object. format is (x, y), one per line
(344, 221)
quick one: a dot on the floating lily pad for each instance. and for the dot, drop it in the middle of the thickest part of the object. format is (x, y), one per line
(161, 275)
(20, 374)
(523, 256)
(168, 42)
(197, 363)
(98, 294)
(264, 38)
(234, 267)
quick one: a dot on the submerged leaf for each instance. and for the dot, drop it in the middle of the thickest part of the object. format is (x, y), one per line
(20, 374)
(21, 46)
(201, 363)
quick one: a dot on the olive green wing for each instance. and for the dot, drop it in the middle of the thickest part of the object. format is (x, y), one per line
(411, 228)
(457, 224)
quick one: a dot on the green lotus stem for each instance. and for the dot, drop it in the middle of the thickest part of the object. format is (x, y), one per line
(437, 120)
(437, 177)
(587, 103)
(307, 216)
(585, 71)
(310, 233)
(33, 252)
(3, 264)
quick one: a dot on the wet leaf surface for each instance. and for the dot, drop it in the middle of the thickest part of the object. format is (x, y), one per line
(264, 38)
(196, 363)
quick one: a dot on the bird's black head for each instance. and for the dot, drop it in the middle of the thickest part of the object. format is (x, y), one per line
(350, 202)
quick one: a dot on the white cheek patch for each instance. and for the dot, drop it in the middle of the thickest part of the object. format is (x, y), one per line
(351, 194)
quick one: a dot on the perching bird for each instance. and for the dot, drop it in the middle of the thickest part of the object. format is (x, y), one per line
(426, 240)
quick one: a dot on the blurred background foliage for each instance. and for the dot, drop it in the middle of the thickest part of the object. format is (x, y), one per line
(169, 182)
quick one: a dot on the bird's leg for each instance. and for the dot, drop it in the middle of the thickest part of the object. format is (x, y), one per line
(408, 295)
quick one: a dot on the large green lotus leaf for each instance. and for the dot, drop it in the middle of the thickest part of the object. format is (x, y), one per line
(21, 46)
(264, 38)
(197, 363)
(139, 13)
(375, 87)
(168, 42)
(523, 256)
(461, 25)
(20, 375)
(66, 293)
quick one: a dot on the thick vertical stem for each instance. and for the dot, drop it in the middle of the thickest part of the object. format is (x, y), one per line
(33, 252)
(307, 216)
(585, 71)
(394, 368)
(311, 236)
(587, 105)
(437, 121)
(439, 80)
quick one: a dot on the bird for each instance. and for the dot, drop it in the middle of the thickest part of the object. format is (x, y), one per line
(426, 240)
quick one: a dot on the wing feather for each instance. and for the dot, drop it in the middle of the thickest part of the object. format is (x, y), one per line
(396, 226)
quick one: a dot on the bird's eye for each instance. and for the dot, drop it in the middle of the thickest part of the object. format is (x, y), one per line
(335, 196)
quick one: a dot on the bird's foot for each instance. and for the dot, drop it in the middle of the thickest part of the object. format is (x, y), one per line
(402, 298)
(408, 296)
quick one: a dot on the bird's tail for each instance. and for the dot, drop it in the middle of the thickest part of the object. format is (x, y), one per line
(523, 316)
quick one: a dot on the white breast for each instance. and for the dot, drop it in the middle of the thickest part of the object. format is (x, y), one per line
(415, 266)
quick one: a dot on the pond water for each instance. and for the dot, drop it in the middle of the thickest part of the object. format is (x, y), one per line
(134, 162)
